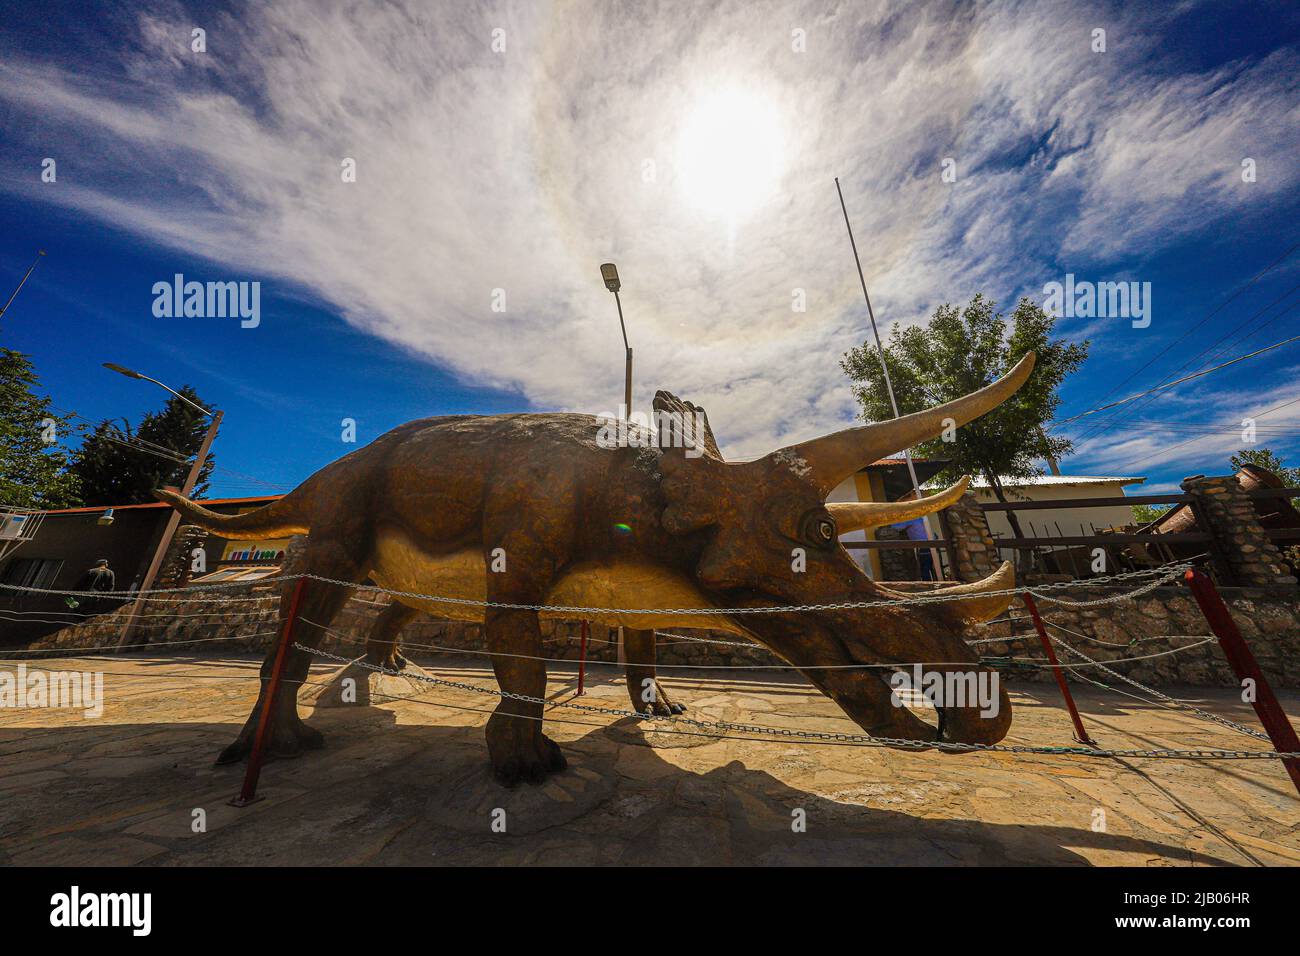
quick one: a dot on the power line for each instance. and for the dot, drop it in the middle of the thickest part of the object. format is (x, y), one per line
(1165, 451)
(1101, 426)
(1215, 311)
(1185, 378)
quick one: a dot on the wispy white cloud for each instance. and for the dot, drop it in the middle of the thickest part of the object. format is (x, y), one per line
(522, 170)
(1194, 426)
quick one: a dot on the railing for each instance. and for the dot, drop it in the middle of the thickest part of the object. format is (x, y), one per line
(1061, 546)
(1279, 536)
(1064, 550)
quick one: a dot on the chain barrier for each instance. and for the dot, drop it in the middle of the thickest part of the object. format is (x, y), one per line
(1164, 574)
(813, 735)
(1159, 577)
(1178, 704)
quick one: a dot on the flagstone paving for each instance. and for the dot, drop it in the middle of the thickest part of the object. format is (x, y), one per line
(406, 782)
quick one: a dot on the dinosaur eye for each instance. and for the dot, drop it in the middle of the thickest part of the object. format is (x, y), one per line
(819, 528)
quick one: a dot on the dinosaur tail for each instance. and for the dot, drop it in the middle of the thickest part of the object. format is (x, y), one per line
(279, 519)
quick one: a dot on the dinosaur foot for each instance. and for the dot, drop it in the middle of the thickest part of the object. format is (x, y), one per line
(389, 661)
(533, 765)
(661, 706)
(286, 739)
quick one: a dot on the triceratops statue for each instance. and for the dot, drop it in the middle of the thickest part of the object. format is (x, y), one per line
(534, 510)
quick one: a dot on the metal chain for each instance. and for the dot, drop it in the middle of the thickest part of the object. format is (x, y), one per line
(1112, 599)
(708, 640)
(1165, 574)
(1203, 714)
(863, 739)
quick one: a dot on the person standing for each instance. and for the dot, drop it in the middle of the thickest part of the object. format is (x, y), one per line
(99, 578)
(916, 531)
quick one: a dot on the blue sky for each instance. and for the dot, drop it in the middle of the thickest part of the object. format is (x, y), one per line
(505, 150)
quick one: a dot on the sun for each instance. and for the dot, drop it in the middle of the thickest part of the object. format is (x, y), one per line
(730, 154)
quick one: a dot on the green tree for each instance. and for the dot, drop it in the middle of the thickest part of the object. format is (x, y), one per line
(119, 465)
(33, 467)
(961, 351)
(1145, 514)
(1263, 458)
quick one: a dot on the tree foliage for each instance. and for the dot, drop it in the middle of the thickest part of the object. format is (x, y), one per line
(1264, 458)
(117, 464)
(960, 351)
(33, 465)
(1145, 514)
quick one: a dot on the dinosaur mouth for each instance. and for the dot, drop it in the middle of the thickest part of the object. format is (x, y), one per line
(935, 693)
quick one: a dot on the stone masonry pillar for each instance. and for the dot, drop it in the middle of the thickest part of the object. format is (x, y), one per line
(974, 555)
(1242, 542)
(178, 562)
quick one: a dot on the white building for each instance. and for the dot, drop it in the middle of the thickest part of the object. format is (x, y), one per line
(1055, 522)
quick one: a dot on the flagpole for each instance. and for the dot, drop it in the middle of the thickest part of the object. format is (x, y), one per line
(889, 386)
(23, 281)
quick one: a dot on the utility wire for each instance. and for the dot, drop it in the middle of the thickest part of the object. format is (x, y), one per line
(1185, 378)
(1211, 314)
(1219, 345)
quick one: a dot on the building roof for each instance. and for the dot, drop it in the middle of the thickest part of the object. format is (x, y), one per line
(978, 481)
(896, 462)
(205, 502)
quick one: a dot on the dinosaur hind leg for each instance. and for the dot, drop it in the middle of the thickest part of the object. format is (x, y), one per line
(642, 684)
(381, 642)
(287, 735)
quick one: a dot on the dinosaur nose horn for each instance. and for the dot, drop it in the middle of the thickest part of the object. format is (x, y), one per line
(832, 458)
(860, 515)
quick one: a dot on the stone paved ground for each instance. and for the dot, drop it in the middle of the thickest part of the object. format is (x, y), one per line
(405, 782)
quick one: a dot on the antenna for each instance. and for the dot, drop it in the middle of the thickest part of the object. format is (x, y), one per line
(889, 386)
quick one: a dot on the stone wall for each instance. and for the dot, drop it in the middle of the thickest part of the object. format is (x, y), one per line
(973, 553)
(1240, 541)
(1269, 619)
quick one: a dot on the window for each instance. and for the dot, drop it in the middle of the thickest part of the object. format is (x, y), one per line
(33, 572)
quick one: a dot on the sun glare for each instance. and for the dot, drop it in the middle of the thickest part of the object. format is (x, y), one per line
(730, 154)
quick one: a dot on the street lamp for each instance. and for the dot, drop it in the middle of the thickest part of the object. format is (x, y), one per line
(609, 272)
(174, 519)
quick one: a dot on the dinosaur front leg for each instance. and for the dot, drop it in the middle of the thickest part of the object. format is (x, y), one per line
(643, 686)
(516, 745)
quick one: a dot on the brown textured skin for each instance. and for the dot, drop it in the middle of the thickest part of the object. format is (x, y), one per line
(539, 486)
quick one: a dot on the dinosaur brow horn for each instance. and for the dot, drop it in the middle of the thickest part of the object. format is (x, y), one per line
(834, 457)
(859, 515)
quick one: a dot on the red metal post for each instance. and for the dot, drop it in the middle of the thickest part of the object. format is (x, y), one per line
(1243, 664)
(582, 658)
(248, 794)
(1080, 734)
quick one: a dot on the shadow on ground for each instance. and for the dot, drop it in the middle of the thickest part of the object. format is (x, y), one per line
(388, 793)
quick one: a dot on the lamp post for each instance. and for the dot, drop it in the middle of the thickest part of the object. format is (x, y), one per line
(174, 519)
(609, 272)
